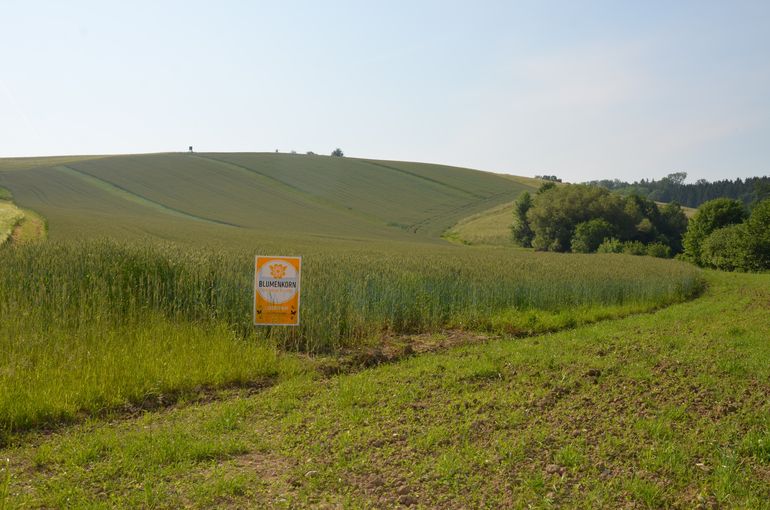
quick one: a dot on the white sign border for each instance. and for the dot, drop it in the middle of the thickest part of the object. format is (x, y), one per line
(299, 289)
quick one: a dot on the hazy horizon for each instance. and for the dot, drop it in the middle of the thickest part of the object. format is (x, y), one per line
(597, 90)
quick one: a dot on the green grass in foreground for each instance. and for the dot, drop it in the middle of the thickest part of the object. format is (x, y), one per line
(54, 375)
(661, 410)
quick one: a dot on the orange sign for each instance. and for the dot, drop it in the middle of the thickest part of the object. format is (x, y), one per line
(276, 291)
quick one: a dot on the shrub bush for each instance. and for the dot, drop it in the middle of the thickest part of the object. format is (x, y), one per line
(634, 248)
(611, 245)
(659, 250)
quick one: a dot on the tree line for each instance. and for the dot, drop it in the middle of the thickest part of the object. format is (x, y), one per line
(580, 218)
(583, 218)
(672, 188)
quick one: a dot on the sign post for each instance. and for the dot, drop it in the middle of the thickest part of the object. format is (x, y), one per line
(277, 290)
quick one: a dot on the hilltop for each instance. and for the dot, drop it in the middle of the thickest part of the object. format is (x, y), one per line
(182, 196)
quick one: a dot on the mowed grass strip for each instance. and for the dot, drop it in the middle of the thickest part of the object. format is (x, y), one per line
(32, 228)
(490, 227)
(19, 225)
(10, 216)
(653, 411)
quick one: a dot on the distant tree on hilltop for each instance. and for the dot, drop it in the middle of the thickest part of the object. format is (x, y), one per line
(338, 152)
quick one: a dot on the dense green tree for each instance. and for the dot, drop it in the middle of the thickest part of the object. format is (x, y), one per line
(576, 217)
(556, 212)
(520, 230)
(712, 215)
(761, 192)
(740, 246)
(727, 248)
(672, 226)
(678, 178)
(590, 234)
(338, 152)
(758, 232)
(634, 212)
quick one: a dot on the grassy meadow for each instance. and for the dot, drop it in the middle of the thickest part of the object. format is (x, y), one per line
(663, 410)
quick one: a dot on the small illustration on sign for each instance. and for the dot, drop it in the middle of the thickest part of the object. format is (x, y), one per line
(277, 290)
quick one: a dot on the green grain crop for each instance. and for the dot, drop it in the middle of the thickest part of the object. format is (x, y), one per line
(144, 291)
(95, 325)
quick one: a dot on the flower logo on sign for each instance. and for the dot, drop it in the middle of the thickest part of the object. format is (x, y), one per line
(277, 270)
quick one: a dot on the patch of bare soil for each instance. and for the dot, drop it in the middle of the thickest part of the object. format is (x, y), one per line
(394, 348)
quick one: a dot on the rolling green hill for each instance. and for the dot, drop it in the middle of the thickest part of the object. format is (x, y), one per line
(189, 196)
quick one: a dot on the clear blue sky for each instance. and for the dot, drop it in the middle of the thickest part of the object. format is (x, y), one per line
(584, 90)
